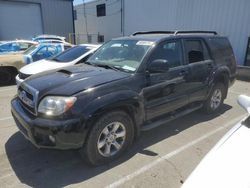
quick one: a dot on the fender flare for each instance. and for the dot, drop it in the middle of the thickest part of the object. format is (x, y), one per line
(126, 100)
(220, 75)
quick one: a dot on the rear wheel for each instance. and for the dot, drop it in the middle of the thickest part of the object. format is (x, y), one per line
(7, 76)
(215, 99)
(110, 136)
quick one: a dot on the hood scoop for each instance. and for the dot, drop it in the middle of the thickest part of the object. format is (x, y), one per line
(65, 72)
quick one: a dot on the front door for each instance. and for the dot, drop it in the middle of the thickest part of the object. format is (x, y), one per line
(166, 92)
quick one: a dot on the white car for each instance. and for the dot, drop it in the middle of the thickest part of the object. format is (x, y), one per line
(228, 163)
(40, 38)
(72, 56)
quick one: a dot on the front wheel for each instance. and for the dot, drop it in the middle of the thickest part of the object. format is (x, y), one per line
(215, 99)
(110, 136)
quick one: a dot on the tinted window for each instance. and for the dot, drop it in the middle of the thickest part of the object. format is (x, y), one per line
(170, 51)
(71, 54)
(221, 47)
(196, 51)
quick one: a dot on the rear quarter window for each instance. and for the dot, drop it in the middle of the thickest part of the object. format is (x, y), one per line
(220, 47)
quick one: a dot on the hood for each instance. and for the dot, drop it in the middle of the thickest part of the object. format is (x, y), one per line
(13, 59)
(73, 79)
(227, 164)
(41, 66)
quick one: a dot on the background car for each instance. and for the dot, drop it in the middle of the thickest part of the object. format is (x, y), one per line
(72, 56)
(11, 63)
(43, 51)
(40, 38)
(227, 164)
(15, 46)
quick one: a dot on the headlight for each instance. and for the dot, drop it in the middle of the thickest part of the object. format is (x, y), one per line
(55, 105)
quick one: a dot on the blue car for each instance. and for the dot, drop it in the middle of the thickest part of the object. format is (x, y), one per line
(44, 51)
(15, 46)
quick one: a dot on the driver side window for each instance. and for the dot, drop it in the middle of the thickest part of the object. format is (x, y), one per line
(170, 51)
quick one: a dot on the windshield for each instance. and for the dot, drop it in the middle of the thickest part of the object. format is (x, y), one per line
(30, 49)
(71, 54)
(124, 55)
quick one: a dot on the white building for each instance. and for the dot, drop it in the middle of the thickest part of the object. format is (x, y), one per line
(228, 17)
(98, 21)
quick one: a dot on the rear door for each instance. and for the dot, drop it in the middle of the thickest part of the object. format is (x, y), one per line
(166, 91)
(200, 67)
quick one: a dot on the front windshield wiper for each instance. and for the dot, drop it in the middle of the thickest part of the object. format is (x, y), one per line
(102, 65)
(106, 66)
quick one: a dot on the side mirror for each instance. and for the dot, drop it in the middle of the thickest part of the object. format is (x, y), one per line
(244, 102)
(158, 66)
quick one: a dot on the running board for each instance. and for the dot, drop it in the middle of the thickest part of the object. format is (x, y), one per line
(168, 119)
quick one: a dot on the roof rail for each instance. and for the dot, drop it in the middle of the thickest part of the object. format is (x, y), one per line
(152, 32)
(174, 32)
(195, 32)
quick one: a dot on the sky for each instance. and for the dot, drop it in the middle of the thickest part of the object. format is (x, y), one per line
(76, 2)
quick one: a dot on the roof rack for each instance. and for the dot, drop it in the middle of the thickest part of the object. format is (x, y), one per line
(174, 32)
(152, 32)
(195, 32)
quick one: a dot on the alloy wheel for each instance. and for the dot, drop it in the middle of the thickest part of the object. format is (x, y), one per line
(111, 139)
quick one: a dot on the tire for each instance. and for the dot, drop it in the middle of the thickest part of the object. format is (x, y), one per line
(104, 144)
(215, 99)
(7, 76)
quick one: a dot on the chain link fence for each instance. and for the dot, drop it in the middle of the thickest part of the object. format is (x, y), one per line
(77, 38)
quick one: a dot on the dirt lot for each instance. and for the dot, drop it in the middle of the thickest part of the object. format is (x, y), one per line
(162, 157)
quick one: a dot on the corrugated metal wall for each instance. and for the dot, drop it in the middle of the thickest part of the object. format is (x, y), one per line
(57, 16)
(227, 17)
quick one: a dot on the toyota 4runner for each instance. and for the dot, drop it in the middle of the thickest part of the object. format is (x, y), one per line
(130, 84)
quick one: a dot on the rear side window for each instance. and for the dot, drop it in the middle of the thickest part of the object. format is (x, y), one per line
(196, 51)
(220, 47)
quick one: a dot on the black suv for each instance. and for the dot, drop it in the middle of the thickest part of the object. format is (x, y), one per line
(130, 84)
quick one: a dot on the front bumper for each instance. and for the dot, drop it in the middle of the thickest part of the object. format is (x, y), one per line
(48, 133)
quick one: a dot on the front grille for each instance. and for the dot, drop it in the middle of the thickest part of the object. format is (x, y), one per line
(28, 108)
(23, 76)
(28, 98)
(29, 95)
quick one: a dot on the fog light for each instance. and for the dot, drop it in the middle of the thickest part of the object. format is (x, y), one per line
(52, 138)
